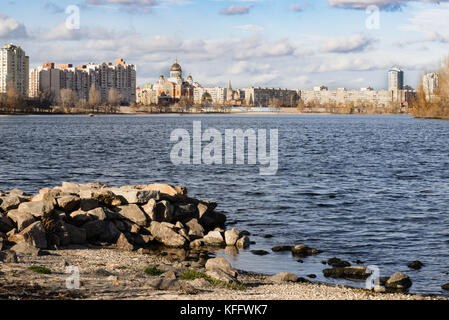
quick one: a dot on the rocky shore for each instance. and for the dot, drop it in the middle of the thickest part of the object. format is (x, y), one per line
(93, 241)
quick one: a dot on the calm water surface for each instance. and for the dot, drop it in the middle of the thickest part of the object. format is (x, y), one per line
(370, 188)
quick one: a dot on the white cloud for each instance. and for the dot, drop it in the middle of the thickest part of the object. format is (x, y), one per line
(382, 4)
(356, 43)
(236, 10)
(11, 28)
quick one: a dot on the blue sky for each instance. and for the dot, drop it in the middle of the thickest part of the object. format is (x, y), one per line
(293, 44)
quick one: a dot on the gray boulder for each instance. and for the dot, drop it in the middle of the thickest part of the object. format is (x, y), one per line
(26, 249)
(94, 229)
(74, 234)
(88, 204)
(6, 224)
(10, 202)
(284, 277)
(80, 217)
(98, 214)
(399, 281)
(21, 219)
(35, 235)
(195, 228)
(165, 234)
(232, 236)
(243, 242)
(8, 256)
(133, 213)
(214, 239)
(124, 244)
(221, 264)
(69, 203)
(37, 209)
(135, 196)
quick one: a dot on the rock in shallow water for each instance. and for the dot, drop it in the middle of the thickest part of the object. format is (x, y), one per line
(399, 281)
(416, 265)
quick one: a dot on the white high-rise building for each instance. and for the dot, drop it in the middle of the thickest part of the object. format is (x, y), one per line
(14, 69)
(106, 76)
(395, 79)
(430, 83)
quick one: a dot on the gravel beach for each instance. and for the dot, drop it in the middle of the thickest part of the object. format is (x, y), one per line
(110, 274)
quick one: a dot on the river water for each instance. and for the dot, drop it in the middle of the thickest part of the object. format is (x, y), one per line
(369, 188)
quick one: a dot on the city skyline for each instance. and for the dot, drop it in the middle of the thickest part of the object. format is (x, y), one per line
(293, 49)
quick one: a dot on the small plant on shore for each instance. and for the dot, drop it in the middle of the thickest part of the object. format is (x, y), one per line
(153, 271)
(192, 275)
(40, 269)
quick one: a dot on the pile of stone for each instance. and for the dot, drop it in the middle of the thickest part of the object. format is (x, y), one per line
(129, 217)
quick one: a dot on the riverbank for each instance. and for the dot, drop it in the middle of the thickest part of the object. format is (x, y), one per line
(144, 242)
(110, 274)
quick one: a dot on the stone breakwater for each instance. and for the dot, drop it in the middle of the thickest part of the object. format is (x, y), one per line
(129, 217)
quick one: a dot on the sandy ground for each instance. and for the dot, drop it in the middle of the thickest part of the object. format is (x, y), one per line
(109, 274)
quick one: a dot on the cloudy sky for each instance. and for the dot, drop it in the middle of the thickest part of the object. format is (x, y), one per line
(274, 43)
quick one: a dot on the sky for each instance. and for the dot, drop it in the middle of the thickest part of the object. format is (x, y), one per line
(267, 43)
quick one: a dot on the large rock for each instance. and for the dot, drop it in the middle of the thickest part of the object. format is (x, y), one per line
(94, 229)
(284, 277)
(304, 251)
(221, 264)
(106, 198)
(168, 191)
(8, 256)
(70, 187)
(124, 244)
(98, 214)
(69, 203)
(166, 235)
(195, 228)
(21, 219)
(35, 235)
(399, 281)
(87, 204)
(205, 208)
(243, 243)
(162, 211)
(166, 284)
(232, 236)
(6, 224)
(80, 217)
(37, 209)
(10, 202)
(214, 239)
(221, 276)
(26, 249)
(74, 234)
(135, 196)
(347, 272)
(133, 213)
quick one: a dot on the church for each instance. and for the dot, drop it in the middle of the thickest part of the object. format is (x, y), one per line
(175, 87)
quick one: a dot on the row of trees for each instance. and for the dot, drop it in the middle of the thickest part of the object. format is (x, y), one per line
(68, 102)
(359, 107)
(434, 104)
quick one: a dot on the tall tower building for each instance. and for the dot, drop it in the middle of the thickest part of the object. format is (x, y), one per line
(14, 69)
(395, 79)
(230, 92)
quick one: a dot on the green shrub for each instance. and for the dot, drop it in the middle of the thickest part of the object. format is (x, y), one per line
(192, 275)
(40, 269)
(153, 271)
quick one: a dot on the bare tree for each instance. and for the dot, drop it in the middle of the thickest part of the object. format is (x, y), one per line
(94, 98)
(68, 99)
(114, 99)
